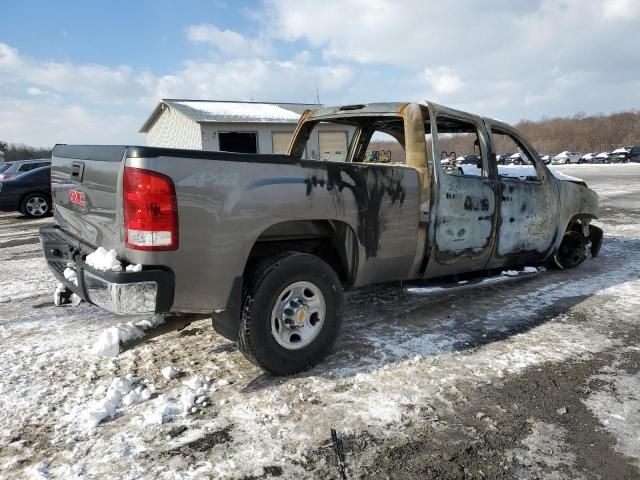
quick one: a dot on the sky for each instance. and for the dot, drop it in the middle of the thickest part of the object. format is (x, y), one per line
(92, 72)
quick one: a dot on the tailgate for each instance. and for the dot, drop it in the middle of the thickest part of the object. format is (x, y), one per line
(86, 191)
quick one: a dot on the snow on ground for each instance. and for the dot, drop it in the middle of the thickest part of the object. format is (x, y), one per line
(188, 405)
(617, 405)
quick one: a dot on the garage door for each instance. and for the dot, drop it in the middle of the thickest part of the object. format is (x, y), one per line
(333, 146)
(281, 141)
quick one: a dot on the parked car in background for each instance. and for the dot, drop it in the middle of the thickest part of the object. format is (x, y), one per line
(12, 169)
(467, 160)
(28, 193)
(566, 157)
(547, 158)
(502, 158)
(602, 157)
(620, 155)
(634, 154)
(587, 157)
(517, 159)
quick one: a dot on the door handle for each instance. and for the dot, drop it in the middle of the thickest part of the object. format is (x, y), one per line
(77, 169)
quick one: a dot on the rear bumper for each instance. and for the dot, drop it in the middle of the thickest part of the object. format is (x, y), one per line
(122, 293)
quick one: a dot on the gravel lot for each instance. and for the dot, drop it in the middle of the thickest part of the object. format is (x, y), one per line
(535, 379)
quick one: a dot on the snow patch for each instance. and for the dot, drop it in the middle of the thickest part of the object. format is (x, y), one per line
(510, 273)
(617, 407)
(122, 392)
(110, 340)
(104, 260)
(169, 372)
(166, 408)
(545, 448)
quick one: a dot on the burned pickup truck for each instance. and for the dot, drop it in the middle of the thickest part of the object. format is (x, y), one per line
(266, 244)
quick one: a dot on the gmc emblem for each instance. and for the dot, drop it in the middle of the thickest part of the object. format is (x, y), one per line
(77, 197)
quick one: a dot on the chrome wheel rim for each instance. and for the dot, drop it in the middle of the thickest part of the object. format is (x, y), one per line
(37, 206)
(298, 315)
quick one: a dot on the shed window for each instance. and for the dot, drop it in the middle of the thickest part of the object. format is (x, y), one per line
(239, 142)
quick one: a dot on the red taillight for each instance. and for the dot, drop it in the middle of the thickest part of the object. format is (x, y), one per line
(150, 210)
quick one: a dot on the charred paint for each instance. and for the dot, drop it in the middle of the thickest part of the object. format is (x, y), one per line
(475, 204)
(369, 187)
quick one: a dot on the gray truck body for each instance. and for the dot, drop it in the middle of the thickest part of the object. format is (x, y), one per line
(372, 223)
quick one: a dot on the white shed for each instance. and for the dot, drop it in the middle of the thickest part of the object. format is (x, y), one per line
(246, 127)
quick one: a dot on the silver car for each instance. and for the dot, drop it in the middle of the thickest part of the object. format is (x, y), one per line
(12, 169)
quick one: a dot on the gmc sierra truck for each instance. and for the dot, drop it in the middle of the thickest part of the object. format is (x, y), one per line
(266, 244)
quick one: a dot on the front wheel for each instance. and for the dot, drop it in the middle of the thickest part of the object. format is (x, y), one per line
(572, 251)
(290, 312)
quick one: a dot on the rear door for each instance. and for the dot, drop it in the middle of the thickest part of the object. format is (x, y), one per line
(86, 191)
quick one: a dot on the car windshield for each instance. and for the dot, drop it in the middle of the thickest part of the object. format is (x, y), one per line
(5, 166)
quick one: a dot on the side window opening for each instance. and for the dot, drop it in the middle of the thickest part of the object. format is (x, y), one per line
(460, 149)
(384, 138)
(513, 159)
(327, 142)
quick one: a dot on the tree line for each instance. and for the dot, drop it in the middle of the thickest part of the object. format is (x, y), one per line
(581, 133)
(19, 151)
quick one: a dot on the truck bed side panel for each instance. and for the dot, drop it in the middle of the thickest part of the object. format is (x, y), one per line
(224, 206)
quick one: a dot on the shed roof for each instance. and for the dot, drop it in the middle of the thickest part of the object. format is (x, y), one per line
(203, 111)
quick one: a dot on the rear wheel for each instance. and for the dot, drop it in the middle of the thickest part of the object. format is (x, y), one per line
(290, 312)
(36, 205)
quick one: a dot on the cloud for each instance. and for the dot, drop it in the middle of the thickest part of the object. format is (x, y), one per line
(443, 80)
(621, 9)
(501, 58)
(35, 91)
(44, 123)
(510, 59)
(80, 103)
(228, 42)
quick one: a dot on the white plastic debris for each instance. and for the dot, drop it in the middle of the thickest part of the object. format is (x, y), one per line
(134, 268)
(530, 270)
(104, 260)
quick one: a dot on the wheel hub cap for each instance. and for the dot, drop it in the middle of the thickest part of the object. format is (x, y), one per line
(298, 315)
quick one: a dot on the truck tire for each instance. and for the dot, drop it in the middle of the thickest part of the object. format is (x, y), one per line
(36, 205)
(290, 315)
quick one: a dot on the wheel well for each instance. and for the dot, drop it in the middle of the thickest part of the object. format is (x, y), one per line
(576, 222)
(44, 194)
(332, 241)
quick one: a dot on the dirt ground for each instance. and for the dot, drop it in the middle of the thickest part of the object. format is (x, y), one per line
(533, 379)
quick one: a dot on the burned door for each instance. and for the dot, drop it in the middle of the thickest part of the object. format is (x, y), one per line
(462, 224)
(528, 202)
